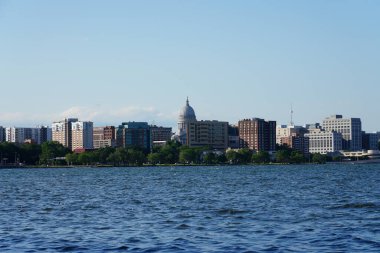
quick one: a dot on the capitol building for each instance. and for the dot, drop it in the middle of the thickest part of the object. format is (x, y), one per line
(194, 133)
(186, 115)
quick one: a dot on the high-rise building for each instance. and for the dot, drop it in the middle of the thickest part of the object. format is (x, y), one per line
(208, 133)
(297, 142)
(186, 115)
(37, 135)
(160, 135)
(61, 132)
(134, 134)
(45, 134)
(350, 128)
(257, 134)
(2, 134)
(233, 137)
(104, 137)
(17, 134)
(323, 142)
(81, 135)
(285, 131)
(370, 141)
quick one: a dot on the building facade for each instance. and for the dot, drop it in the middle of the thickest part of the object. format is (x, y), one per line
(2, 134)
(323, 142)
(104, 137)
(134, 134)
(81, 135)
(18, 134)
(297, 142)
(37, 135)
(233, 137)
(370, 141)
(208, 133)
(61, 132)
(285, 131)
(350, 128)
(257, 134)
(160, 135)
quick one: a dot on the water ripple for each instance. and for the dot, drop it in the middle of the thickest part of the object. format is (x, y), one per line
(191, 209)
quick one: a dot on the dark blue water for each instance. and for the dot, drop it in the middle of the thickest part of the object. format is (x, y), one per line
(329, 208)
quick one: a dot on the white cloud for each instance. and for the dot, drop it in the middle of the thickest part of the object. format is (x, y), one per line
(97, 114)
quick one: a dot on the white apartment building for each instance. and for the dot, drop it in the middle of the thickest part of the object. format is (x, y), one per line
(36, 135)
(61, 131)
(323, 142)
(350, 128)
(82, 135)
(284, 131)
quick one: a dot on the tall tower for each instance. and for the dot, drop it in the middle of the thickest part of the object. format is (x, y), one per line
(291, 115)
(186, 115)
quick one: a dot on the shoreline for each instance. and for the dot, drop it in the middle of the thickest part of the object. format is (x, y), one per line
(183, 165)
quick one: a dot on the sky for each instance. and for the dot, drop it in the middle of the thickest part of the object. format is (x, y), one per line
(116, 61)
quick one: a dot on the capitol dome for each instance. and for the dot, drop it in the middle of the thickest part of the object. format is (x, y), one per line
(187, 113)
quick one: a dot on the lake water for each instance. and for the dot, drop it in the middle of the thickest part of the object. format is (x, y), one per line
(305, 208)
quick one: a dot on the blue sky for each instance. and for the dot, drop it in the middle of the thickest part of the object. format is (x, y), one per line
(114, 61)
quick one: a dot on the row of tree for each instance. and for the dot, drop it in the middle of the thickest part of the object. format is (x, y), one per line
(53, 153)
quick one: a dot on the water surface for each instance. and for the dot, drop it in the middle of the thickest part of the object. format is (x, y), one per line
(306, 208)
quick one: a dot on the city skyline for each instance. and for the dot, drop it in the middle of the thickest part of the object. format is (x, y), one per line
(124, 60)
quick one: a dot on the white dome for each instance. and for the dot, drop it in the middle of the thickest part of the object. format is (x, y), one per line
(187, 113)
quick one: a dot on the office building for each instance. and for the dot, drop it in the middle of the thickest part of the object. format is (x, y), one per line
(134, 134)
(233, 137)
(370, 141)
(283, 132)
(104, 137)
(2, 134)
(160, 135)
(350, 128)
(208, 133)
(296, 142)
(324, 142)
(257, 134)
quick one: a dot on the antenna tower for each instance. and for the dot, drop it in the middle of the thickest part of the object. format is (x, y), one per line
(291, 115)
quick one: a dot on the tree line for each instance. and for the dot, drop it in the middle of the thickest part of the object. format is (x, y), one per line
(53, 153)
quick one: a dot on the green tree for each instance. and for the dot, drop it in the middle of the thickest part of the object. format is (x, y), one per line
(209, 158)
(170, 152)
(297, 157)
(29, 153)
(72, 159)
(221, 158)
(104, 153)
(9, 152)
(232, 156)
(188, 155)
(155, 158)
(51, 150)
(261, 157)
(283, 156)
(136, 157)
(244, 156)
(86, 158)
(119, 157)
(319, 158)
